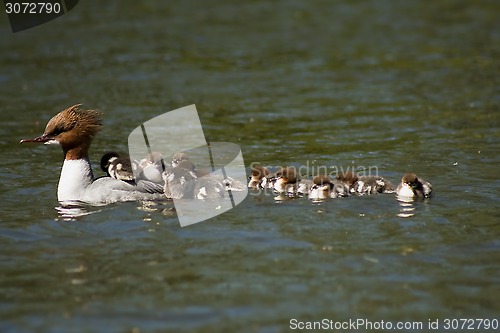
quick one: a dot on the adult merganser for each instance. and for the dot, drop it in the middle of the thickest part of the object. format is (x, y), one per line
(412, 187)
(73, 129)
(324, 187)
(365, 184)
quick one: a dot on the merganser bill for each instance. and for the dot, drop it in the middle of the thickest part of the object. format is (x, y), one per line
(362, 185)
(413, 187)
(73, 129)
(324, 187)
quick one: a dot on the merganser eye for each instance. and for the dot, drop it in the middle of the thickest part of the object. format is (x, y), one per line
(56, 131)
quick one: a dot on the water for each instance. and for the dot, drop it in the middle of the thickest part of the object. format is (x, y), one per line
(400, 86)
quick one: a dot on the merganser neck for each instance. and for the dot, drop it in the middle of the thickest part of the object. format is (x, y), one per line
(81, 151)
(76, 176)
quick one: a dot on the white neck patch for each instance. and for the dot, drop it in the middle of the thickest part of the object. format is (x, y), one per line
(76, 176)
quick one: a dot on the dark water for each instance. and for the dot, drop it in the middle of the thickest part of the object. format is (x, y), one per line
(398, 86)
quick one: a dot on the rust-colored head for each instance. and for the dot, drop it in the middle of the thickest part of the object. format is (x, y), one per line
(73, 129)
(322, 180)
(288, 175)
(410, 179)
(347, 177)
(259, 172)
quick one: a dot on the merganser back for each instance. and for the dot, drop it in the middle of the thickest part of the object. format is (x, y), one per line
(73, 129)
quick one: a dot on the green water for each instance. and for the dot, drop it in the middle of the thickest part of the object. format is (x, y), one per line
(399, 86)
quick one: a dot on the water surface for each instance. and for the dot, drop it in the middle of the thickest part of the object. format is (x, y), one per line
(400, 86)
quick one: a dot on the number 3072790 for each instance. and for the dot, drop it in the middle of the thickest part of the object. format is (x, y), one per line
(32, 8)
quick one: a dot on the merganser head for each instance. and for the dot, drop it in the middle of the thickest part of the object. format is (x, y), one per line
(323, 183)
(178, 157)
(156, 157)
(287, 175)
(184, 169)
(117, 166)
(186, 164)
(348, 178)
(321, 187)
(180, 180)
(153, 158)
(322, 180)
(259, 172)
(152, 166)
(73, 129)
(107, 159)
(259, 175)
(411, 180)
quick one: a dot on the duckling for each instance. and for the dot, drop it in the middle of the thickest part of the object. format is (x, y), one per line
(324, 187)
(259, 178)
(117, 166)
(413, 187)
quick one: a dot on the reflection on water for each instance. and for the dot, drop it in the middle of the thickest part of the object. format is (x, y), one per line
(408, 205)
(165, 207)
(69, 211)
(407, 208)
